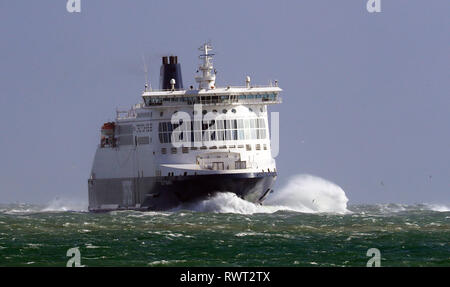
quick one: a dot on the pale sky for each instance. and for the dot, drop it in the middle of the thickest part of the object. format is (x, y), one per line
(365, 102)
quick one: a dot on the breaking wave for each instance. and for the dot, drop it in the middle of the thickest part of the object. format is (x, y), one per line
(391, 208)
(311, 194)
(438, 207)
(303, 193)
(56, 205)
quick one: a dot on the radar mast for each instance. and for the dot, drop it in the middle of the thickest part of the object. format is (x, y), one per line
(207, 79)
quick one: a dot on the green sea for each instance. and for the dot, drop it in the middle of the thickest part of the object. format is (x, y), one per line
(226, 232)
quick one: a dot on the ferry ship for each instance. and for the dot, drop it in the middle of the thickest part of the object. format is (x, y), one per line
(182, 145)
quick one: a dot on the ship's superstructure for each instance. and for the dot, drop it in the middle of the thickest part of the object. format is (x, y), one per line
(181, 145)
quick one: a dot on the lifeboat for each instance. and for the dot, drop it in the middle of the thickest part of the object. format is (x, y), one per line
(107, 136)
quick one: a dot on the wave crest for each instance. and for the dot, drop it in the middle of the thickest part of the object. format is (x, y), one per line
(303, 193)
(59, 204)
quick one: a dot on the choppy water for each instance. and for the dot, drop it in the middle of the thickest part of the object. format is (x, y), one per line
(307, 224)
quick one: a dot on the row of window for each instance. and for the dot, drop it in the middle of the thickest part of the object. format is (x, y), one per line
(248, 147)
(214, 130)
(143, 128)
(218, 124)
(210, 99)
(194, 112)
(219, 165)
(230, 135)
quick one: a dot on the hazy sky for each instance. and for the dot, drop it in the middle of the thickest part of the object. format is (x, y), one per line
(365, 101)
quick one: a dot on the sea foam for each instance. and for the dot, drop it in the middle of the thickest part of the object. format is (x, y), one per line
(302, 193)
(61, 205)
(439, 207)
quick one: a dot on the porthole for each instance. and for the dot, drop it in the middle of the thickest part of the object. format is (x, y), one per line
(233, 110)
(204, 112)
(224, 111)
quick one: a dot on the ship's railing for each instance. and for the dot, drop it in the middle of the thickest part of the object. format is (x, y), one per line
(131, 113)
(227, 87)
(252, 86)
(176, 100)
(241, 101)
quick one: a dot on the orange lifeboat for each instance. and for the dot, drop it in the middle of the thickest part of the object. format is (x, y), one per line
(107, 137)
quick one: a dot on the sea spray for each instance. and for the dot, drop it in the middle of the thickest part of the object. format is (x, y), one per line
(302, 193)
(310, 194)
(65, 204)
(227, 202)
(439, 207)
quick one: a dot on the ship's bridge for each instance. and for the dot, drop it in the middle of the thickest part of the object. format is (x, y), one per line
(217, 96)
(207, 93)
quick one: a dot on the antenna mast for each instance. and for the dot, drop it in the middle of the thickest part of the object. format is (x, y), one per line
(207, 79)
(147, 83)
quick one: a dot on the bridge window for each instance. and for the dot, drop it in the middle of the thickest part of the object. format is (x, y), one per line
(222, 130)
